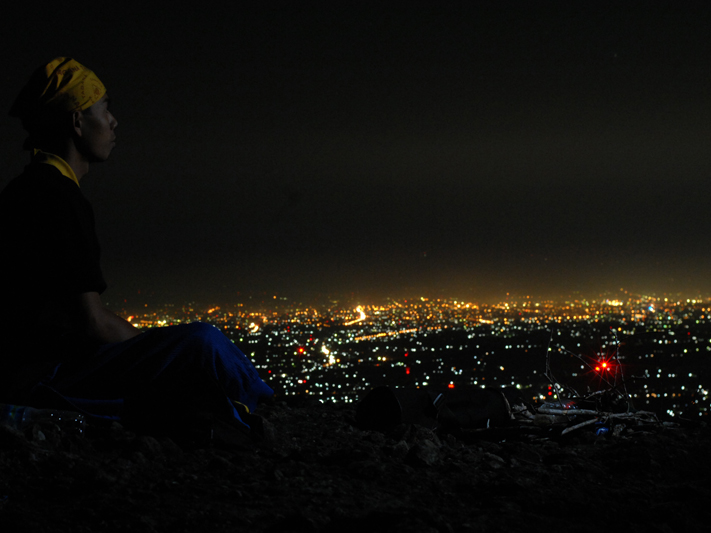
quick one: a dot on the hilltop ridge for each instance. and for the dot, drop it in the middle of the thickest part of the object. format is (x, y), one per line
(316, 471)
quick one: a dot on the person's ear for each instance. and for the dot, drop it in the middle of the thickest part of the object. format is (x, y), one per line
(77, 121)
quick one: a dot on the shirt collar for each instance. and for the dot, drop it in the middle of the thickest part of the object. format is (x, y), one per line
(38, 156)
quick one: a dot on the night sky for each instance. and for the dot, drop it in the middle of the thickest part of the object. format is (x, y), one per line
(456, 149)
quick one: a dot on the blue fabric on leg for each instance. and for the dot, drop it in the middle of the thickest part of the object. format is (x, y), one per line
(171, 361)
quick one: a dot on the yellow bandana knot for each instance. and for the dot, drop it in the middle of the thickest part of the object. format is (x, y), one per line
(63, 84)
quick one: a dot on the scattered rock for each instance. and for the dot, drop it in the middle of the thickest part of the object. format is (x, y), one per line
(312, 470)
(423, 453)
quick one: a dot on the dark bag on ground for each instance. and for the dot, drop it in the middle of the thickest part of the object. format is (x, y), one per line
(384, 408)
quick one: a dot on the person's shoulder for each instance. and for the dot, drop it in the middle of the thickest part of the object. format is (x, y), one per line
(40, 179)
(41, 189)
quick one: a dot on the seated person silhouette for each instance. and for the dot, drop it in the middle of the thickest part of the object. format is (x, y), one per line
(58, 343)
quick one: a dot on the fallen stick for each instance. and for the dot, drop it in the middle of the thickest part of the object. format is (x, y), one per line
(577, 426)
(552, 411)
(640, 415)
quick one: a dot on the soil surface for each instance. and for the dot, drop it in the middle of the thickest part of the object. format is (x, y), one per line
(313, 470)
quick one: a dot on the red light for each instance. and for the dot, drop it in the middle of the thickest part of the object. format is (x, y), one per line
(301, 350)
(597, 369)
(407, 370)
(451, 385)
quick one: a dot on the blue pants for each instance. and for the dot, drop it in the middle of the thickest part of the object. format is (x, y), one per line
(185, 365)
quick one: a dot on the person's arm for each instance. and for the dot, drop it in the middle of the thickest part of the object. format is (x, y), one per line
(100, 323)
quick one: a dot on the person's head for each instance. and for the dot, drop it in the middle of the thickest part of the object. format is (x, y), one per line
(93, 130)
(66, 102)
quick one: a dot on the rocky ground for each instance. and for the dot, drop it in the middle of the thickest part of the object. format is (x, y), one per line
(315, 471)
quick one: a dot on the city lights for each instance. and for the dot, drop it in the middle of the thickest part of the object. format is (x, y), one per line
(656, 347)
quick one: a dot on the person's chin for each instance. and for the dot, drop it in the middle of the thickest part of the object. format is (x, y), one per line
(108, 152)
(100, 158)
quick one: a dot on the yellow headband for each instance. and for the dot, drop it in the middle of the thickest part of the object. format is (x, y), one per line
(62, 85)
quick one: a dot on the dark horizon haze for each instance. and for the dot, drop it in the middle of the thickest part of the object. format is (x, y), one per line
(376, 150)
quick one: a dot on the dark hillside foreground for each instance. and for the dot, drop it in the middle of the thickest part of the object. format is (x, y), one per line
(315, 471)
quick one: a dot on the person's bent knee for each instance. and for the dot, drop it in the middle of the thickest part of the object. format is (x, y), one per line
(204, 332)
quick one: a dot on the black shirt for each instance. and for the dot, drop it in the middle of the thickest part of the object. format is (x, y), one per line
(49, 254)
